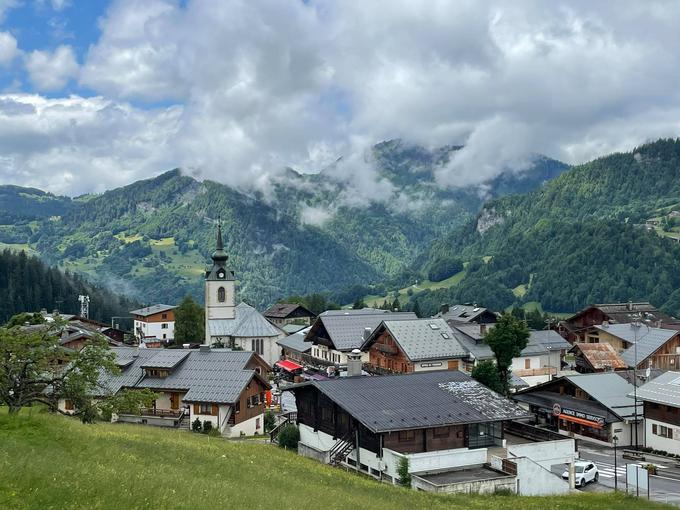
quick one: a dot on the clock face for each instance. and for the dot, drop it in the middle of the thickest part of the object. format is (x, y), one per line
(220, 274)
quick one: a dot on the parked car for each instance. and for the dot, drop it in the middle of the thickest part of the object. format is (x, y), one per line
(584, 472)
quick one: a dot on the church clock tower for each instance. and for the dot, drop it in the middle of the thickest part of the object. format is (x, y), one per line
(220, 287)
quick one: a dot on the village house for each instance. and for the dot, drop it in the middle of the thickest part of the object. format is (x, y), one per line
(595, 407)
(589, 358)
(154, 325)
(467, 313)
(235, 326)
(661, 398)
(448, 427)
(284, 314)
(335, 333)
(643, 346)
(580, 326)
(414, 345)
(294, 347)
(226, 388)
(538, 362)
(72, 334)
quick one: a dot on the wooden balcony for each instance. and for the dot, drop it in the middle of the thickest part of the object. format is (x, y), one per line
(386, 349)
(532, 372)
(161, 413)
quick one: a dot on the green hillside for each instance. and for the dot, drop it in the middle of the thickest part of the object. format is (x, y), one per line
(579, 239)
(49, 461)
(308, 233)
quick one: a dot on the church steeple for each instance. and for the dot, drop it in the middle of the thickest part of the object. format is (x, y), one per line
(219, 269)
(219, 255)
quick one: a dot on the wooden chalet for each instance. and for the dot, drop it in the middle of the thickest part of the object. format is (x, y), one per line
(282, 314)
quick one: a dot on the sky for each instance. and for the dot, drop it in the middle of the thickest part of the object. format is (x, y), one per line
(96, 94)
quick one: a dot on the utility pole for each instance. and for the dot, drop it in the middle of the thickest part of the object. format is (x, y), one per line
(616, 473)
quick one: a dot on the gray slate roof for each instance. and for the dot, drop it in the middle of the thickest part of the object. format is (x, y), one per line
(346, 327)
(217, 376)
(283, 310)
(248, 322)
(151, 310)
(462, 313)
(419, 400)
(649, 340)
(610, 389)
(296, 341)
(664, 389)
(422, 339)
(544, 341)
(166, 358)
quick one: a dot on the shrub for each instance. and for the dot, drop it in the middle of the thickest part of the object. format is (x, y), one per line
(207, 426)
(269, 421)
(289, 437)
(196, 425)
(214, 432)
(402, 471)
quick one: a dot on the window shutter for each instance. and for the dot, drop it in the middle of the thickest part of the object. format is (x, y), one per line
(197, 410)
(215, 409)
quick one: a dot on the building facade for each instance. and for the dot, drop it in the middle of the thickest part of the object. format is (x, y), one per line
(154, 322)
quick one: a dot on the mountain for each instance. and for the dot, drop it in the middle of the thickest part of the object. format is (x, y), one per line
(28, 285)
(308, 233)
(582, 238)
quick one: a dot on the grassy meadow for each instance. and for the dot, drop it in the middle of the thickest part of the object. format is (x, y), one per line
(49, 461)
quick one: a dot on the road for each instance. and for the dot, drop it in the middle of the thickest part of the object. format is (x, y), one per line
(664, 487)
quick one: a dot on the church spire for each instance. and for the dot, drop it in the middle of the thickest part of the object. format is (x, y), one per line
(219, 255)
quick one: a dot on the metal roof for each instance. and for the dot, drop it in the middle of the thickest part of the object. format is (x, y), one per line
(247, 323)
(217, 375)
(421, 339)
(601, 356)
(346, 328)
(664, 389)
(541, 342)
(623, 312)
(608, 388)
(418, 400)
(166, 358)
(463, 313)
(283, 310)
(152, 310)
(649, 340)
(296, 341)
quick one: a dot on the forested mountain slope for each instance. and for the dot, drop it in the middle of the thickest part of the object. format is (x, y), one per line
(27, 285)
(579, 239)
(308, 233)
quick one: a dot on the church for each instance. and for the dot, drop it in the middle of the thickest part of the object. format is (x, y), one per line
(228, 324)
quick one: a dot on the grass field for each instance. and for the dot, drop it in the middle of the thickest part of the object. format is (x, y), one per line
(376, 301)
(50, 461)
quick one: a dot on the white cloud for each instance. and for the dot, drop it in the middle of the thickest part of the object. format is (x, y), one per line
(315, 216)
(8, 48)
(60, 5)
(51, 71)
(257, 87)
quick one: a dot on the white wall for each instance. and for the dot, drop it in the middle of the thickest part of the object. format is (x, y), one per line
(519, 363)
(545, 453)
(662, 443)
(332, 356)
(432, 461)
(272, 352)
(249, 427)
(535, 480)
(155, 329)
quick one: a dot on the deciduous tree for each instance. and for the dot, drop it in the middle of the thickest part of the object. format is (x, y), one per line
(507, 339)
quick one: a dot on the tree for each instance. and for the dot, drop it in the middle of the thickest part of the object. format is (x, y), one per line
(21, 319)
(486, 373)
(416, 309)
(359, 304)
(35, 368)
(507, 339)
(189, 322)
(396, 305)
(269, 421)
(404, 477)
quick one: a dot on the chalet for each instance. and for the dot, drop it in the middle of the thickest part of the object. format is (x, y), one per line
(115, 333)
(154, 323)
(467, 313)
(578, 327)
(590, 358)
(294, 347)
(643, 346)
(335, 333)
(224, 387)
(231, 325)
(283, 314)
(444, 423)
(539, 361)
(72, 335)
(595, 407)
(413, 345)
(661, 402)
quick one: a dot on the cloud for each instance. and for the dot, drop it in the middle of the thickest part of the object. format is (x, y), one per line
(8, 48)
(238, 91)
(315, 216)
(51, 71)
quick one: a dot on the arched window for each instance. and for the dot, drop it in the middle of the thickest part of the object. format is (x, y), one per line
(221, 295)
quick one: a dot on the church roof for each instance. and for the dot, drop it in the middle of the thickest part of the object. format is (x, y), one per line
(248, 322)
(219, 270)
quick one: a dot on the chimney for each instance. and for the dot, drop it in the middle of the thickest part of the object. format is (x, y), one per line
(482, 329)
(186, 346)
(354, 363)
(605, 324)
(630, 306)
(367, 333)
(204, 348)
(444, 308)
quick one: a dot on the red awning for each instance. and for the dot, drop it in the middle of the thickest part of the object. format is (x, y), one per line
(288, 365)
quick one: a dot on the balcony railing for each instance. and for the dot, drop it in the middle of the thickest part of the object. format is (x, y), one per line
(530, 372)
(163, 413)
(387, 349)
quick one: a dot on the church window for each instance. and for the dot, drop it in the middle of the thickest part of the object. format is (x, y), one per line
(221, 294)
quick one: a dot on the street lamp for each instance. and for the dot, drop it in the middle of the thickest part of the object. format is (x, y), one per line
(615, 440)
(636, 324)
